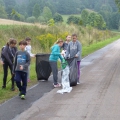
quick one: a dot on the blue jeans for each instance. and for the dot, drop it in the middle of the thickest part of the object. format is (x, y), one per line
(21, 81)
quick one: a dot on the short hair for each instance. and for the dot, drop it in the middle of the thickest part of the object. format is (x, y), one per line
(23, 42)
(74, 35)
(12, 41)
(27, 39)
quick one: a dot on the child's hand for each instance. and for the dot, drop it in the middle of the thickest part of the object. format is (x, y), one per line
(21, 67)
(1, 62)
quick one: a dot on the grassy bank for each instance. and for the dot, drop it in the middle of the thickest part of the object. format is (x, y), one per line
(6, 94)
(86, 50)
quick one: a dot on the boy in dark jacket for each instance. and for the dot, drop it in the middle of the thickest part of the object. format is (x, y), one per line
(22, 62)
(7, 59)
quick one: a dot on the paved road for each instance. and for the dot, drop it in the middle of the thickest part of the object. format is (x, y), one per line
(96, 98)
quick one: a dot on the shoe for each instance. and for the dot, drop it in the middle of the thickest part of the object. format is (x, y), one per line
(22, 97)
(78, 83)
(3, 86)
(58, 85)
(12, 89)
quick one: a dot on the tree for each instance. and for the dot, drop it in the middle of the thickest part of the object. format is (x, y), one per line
(118, 3)
(9, 5)
(73, 19)
(51, 22)
(84, 16)
(3, 13)
(47, 14)
(57, 17)
(36, 11)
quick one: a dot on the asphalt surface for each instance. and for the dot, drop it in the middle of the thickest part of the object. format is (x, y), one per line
(12, 108)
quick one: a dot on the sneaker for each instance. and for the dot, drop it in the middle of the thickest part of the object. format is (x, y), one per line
(58, 85)
(12, 89)
(78, 83)
(22, 97)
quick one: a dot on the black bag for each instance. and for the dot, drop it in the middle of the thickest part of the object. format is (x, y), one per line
(73, 75)
(43, 68)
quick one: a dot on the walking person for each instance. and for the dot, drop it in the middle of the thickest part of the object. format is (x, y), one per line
(74, 50)
(7, 59)
(54, 56)
(28, 48)
(22, 62)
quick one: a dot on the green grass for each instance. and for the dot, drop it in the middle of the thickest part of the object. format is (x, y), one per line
(6, 94)
(86, 50)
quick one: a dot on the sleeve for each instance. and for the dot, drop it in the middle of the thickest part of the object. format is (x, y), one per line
(68, 51)
(79, 49)
(5, 53)
(61, 58)
(27, 61)
(55, 51)
(15, 63)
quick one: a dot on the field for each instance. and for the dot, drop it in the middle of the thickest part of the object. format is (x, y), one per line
(43, 37)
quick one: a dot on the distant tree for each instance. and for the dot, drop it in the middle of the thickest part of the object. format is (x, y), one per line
(106, 8)
(58, 18)
(31, 19)
(92, 19)
(36, 11)
(9, 5)
(84, 16)
(118, 3)
(96, 20)
(73, 19)
(3, 13)
(115, 21)
(51, 22)
(15, 15)
(47, 14)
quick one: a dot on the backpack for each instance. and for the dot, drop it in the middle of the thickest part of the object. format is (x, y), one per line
(1, 52)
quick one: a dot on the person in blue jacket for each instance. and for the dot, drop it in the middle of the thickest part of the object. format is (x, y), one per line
(54, 56)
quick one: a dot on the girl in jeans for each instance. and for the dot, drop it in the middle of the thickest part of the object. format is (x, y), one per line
(54, 56)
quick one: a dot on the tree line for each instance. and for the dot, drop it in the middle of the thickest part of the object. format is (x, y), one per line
(102, 14)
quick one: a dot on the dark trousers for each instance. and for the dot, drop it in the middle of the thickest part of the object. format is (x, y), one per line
(54, 68)
(21, 81)
(5, 70)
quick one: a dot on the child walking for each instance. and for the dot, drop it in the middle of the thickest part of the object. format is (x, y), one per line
(54, 56)
(22, 62)
(28, 48)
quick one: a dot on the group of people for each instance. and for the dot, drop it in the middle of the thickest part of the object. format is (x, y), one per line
(18, 61)
(71, 49)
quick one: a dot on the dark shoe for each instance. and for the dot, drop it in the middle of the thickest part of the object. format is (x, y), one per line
(3, 86)
(12, 89)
